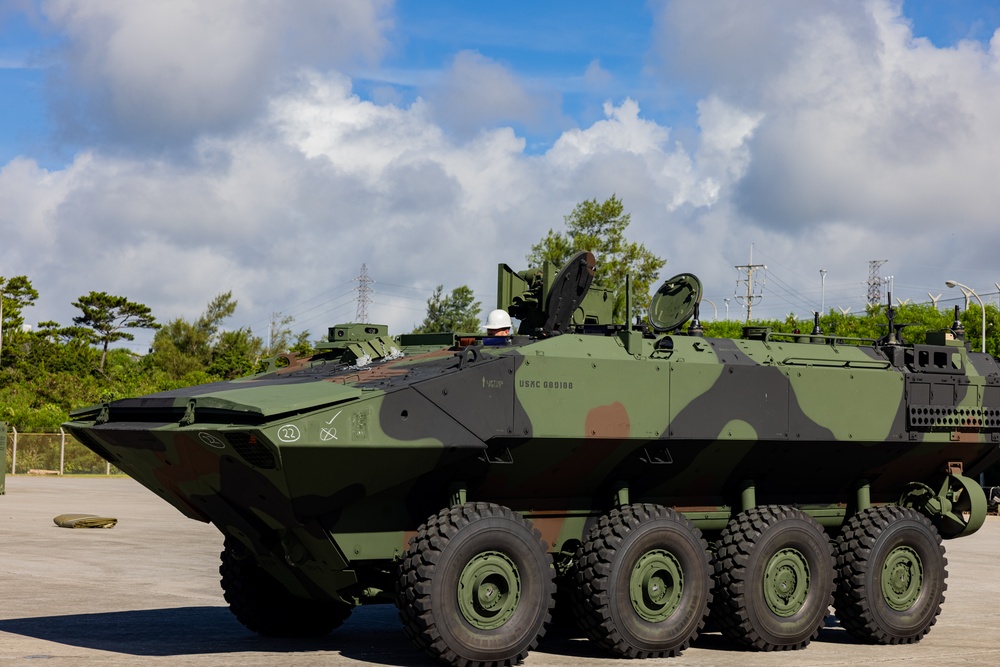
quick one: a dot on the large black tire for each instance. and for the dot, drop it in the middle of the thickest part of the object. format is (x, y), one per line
(259, 602)
(643, 582)
(476, 586)
(773, 578)
(891, 572)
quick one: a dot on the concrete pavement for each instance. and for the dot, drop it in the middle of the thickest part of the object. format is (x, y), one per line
(147, 591)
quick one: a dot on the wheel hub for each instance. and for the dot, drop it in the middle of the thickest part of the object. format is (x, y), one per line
(902, 578)
(488, 590)
(786, 582)
(656, 585)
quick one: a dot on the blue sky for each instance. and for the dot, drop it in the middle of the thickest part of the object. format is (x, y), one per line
(170, 151)
(550, 44)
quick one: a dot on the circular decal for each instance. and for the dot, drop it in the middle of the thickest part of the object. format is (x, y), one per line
(289, 433)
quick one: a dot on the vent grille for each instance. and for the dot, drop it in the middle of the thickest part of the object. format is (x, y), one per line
(951, 418)
(252, 450)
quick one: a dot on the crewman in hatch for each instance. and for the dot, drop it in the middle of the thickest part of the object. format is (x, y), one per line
(498, 326)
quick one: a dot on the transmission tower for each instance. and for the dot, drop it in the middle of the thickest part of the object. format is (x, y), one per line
(364, 291)
(875, 282)
(754, 289)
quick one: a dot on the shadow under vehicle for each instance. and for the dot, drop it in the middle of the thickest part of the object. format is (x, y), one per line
(644, 477)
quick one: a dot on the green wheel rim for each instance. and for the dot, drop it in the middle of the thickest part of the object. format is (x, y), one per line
(902, 578)
(488, 590)
(786, 582)
(656, 585)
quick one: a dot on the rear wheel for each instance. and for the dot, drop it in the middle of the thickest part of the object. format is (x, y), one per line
(476, 586)
(774, 578)
(643, 582)
(261, 604)
(891, 572)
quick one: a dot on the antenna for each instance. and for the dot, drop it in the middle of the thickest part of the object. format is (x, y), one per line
(754, 291)
(874, 282)
(364, 291)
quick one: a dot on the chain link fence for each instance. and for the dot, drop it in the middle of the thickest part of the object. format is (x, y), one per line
(52, 454)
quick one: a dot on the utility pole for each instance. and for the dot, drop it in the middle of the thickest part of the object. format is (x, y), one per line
(874, 282)
(364, 294)
(753, 293)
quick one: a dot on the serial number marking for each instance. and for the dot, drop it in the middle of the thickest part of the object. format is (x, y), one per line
(545, 384)
(492, 384)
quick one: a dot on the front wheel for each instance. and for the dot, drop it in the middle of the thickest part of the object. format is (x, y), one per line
(891, 573)
(260, 603)
(476, 586)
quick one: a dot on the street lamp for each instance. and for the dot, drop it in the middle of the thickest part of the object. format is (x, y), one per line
(727, 309)
(822, 284)
(966, 290)
(715, 317)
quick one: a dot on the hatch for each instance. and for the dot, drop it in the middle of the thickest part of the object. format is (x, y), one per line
(673, 304)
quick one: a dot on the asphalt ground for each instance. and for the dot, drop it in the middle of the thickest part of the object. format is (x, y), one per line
(147, 592)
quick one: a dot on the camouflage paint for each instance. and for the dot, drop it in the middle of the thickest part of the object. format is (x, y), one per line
(324, 468)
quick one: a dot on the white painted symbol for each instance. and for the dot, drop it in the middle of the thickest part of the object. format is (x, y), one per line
(289, 433)
(211, 440)
(326, 434)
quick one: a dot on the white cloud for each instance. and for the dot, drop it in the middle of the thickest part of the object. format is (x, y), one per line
(596, 77)
(325, 182)
(852, 139)
(154, 72)
(477, 91)
(840, 139)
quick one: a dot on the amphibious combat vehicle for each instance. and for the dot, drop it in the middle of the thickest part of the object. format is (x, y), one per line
(643, 476)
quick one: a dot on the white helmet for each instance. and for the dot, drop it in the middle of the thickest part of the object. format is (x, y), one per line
(498, 319)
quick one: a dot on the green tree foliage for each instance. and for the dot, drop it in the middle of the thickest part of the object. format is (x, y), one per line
(108, 316)
(302, 347)
(920, 318)
(600, 228)
(236, 354)
(16, 294)
(458, 311)
(279, 338)
(46, 373)
(181, 347)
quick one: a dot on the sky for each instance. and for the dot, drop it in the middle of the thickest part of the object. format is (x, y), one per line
(169, 152)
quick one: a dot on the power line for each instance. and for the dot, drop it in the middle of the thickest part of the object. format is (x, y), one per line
(875, 281)
(364, 294)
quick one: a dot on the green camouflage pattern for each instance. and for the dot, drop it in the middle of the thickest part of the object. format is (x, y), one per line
(324, 468)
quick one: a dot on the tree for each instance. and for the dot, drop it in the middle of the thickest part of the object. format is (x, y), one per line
(303, 346)
(181, 347)
(109, 315)
(279, 338)
(459, 311)
(236, 354)
(15, 294)
(600, 228)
